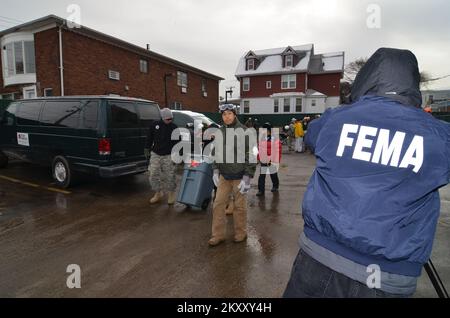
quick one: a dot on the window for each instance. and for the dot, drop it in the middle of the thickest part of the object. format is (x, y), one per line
(287, 105)
(181, 120)
(203, 85)
(28, 113)
(276, 106)
(123, 115)
(313, 103)
(48, 92)
(143, 66)
(182, 79)
(246, 84)
(30, 64)
(250, 64)
(29, 92)
(20, 58)
(298, 105)
(90, 115)
(177, 106)
(61, 114)
(289, 81)
(8, 96)
(246, 107)
(289, 61)
(269, 85)
(10, 114)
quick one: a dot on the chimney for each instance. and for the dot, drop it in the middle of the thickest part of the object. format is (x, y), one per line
(148, 47)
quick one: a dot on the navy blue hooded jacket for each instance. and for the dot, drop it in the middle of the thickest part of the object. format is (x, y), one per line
(373, 197)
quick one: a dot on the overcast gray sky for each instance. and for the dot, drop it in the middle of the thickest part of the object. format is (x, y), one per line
(212, 34)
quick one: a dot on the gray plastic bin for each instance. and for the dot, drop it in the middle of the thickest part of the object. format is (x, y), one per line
(196, 185)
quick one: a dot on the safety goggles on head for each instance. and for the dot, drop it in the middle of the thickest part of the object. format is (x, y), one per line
(225, 107)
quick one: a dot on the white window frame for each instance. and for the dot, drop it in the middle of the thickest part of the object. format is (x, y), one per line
(182, 79)
(29, 88)
(276, 105)
(251, 62)
(313, 103)
(301, 105)
(289, 58)
(246, 84)
(289, 81)
(246, 107)
(284, 105)
(143, 66)
(268, 84)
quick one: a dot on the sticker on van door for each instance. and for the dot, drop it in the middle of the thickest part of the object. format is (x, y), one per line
(23, 140)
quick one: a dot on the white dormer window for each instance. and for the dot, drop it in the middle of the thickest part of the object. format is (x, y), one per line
(289, 61)
(250, 64)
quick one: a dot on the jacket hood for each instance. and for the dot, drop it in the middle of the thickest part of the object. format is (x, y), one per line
(390, 73)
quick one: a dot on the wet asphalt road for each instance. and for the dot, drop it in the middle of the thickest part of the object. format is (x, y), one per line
(127, 248)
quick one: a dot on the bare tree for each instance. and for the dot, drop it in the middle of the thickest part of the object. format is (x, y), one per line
(352, 69)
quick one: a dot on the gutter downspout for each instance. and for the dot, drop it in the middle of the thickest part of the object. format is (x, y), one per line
(61, 64)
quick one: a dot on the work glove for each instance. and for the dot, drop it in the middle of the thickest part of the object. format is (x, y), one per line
(147, 153)
(244, 186)
(216, 178)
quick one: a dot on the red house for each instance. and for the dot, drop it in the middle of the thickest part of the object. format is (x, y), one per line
(48, 57)
(289, 80)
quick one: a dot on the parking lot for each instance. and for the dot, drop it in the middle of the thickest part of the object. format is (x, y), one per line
(127, 248)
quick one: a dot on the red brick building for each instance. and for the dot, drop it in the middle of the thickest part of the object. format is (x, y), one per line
(46, 57)
(289, 80)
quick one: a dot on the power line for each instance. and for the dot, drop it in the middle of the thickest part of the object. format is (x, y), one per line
(11, 19)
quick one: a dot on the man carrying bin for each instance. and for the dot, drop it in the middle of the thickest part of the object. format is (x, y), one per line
(231, 178)
(159, 149)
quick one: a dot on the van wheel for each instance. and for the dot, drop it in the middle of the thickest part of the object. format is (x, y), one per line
(3, 160)
(62, 174)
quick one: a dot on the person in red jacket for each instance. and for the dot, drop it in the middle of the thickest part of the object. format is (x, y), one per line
(269, 158)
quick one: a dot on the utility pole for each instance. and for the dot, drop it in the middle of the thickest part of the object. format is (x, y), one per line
(228, 91)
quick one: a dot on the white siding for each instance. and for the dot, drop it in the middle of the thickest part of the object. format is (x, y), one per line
(266, 106)
(333, 102)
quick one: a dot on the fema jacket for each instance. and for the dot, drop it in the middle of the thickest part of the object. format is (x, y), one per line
(373, 197)
(159, 139)
(234, 170)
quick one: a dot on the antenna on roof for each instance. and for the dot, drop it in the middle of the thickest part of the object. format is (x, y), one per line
(148, 47)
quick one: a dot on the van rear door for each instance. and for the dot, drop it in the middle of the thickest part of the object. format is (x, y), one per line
(125, 132)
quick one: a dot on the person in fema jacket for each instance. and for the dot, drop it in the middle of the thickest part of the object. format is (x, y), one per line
(372, 205)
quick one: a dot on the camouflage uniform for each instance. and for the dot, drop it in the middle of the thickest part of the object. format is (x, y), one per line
(162, 173)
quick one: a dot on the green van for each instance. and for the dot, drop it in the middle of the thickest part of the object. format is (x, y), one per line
(99, 135)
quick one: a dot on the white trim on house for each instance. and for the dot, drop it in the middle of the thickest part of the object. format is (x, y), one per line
(29, 89)
(15, 79)
(266, 105)
(268, 84)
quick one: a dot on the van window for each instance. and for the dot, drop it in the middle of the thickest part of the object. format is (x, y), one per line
(61, 114)
(148, 113)
(90, 115)
(181, 120)
(28, 113)
(9, 114)
(123, 115)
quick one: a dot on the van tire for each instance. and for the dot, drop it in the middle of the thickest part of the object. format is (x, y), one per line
(62, 173)
(3, 160)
